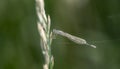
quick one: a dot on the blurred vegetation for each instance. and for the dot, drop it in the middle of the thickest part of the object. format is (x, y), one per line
(97, 21)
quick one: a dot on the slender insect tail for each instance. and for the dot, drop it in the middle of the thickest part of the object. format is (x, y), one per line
(90, 45)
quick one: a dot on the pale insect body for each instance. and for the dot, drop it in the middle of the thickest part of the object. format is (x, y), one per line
(72, 38)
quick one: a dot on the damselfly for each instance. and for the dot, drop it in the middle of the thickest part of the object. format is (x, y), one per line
(73, 38)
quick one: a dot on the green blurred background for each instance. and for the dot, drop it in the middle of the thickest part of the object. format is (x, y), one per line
(97, 21)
